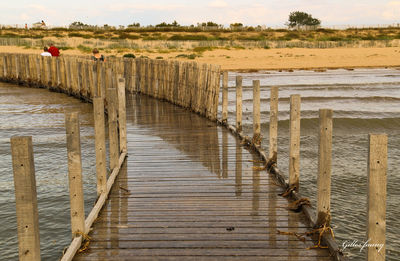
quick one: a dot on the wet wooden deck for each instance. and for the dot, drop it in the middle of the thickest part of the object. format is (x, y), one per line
(188, 192)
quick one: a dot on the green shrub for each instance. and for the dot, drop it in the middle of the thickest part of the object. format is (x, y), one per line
(129, 55)
(85, 49)
(188, 37)
(200, 49)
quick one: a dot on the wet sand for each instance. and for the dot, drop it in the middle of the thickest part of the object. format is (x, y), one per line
(274, 59)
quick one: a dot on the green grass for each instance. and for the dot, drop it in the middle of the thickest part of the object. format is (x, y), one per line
(85, 49)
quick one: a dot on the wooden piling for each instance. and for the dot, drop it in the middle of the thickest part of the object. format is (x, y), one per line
(239, 104)
(112, 127)
(225, 97)
(273, 123)
(324, 168)
(25, 198)
(294, 149)
(100, 144)
(75, 173)
(256, 113)
(376, 207)
(122, 115)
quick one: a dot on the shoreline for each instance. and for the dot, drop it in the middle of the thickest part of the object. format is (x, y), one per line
(254, 60)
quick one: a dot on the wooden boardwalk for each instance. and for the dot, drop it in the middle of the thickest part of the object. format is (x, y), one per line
(188, 191)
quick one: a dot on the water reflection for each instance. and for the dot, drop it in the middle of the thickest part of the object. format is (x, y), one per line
(238, 169)
(188, 133)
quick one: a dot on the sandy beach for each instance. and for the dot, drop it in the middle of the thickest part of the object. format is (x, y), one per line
(272, 59)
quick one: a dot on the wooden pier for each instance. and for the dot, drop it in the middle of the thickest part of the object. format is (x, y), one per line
(188, 191)
(193, 187)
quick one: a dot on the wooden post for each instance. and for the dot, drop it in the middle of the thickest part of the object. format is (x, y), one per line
(324, 168)
(376, 207)
(294, 150)
(100, 141)
(239, 104)
(25, 198)
(273, 123)
(113, 128)
(122, 115)
(75, 173)
(225, 97)
(256, 113)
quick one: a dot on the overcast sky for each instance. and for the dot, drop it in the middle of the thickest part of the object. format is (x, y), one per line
(272, 13)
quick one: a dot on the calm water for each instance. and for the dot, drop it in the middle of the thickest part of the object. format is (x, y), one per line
(40, 114)
(363, 101)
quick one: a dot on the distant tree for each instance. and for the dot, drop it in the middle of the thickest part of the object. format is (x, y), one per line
(236, 26)
(210, 24)
(299, 19)
(134, 25)
(77, 25)
(164, 24)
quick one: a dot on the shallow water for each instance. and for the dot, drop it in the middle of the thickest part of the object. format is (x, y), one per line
(364, 101)
(40, 114)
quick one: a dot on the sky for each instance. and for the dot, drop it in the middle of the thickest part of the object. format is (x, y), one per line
(270, 13)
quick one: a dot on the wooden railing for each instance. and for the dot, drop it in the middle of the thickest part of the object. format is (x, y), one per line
(104, 84)
(321, 218)
(196, 87)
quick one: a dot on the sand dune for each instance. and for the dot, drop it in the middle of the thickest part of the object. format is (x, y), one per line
(274, 59)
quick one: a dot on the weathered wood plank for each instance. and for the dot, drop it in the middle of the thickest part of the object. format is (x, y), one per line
(173, 201)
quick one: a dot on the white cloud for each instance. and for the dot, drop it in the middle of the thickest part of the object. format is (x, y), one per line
(218, 4)
(143, 7)
(392, 11)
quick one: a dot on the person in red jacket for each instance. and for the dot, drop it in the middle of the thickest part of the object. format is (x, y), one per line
(54, 50)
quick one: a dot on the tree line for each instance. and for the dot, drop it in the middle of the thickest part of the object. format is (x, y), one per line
(297, 20)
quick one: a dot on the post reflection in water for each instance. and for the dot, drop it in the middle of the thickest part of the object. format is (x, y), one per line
(224, 154)
(183, 202)
(256, 186)
(238, 169)
(185, 131)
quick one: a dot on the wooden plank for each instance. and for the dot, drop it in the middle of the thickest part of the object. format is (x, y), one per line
(376, 207)
(222, 258)
(273, 123)
(294, 137)
(122, 115)
(75, 173)
(239, 103)
(324, 168)
(112, 127)
(256, 113)
(100, 144)
(25, 198)
(225, 97)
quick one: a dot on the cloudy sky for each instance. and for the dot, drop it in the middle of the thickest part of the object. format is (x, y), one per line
(273, 13)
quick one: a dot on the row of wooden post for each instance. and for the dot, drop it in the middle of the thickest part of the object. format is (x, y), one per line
(377, 158)
(24, 172)
(187, 84)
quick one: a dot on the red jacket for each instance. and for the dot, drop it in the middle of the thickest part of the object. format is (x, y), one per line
(54, 51)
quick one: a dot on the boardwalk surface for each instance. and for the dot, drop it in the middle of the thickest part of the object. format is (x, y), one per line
(188, 191)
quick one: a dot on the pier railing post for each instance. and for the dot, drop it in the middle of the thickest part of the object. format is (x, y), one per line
(225, 97)
(122, 115)
(273, 123)
(239, 104)
(324, 168)
(25, 198)
(75, 173)
(100, 144)
(377, 181)
(113, 127)
(256, 113)
(294, 149)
